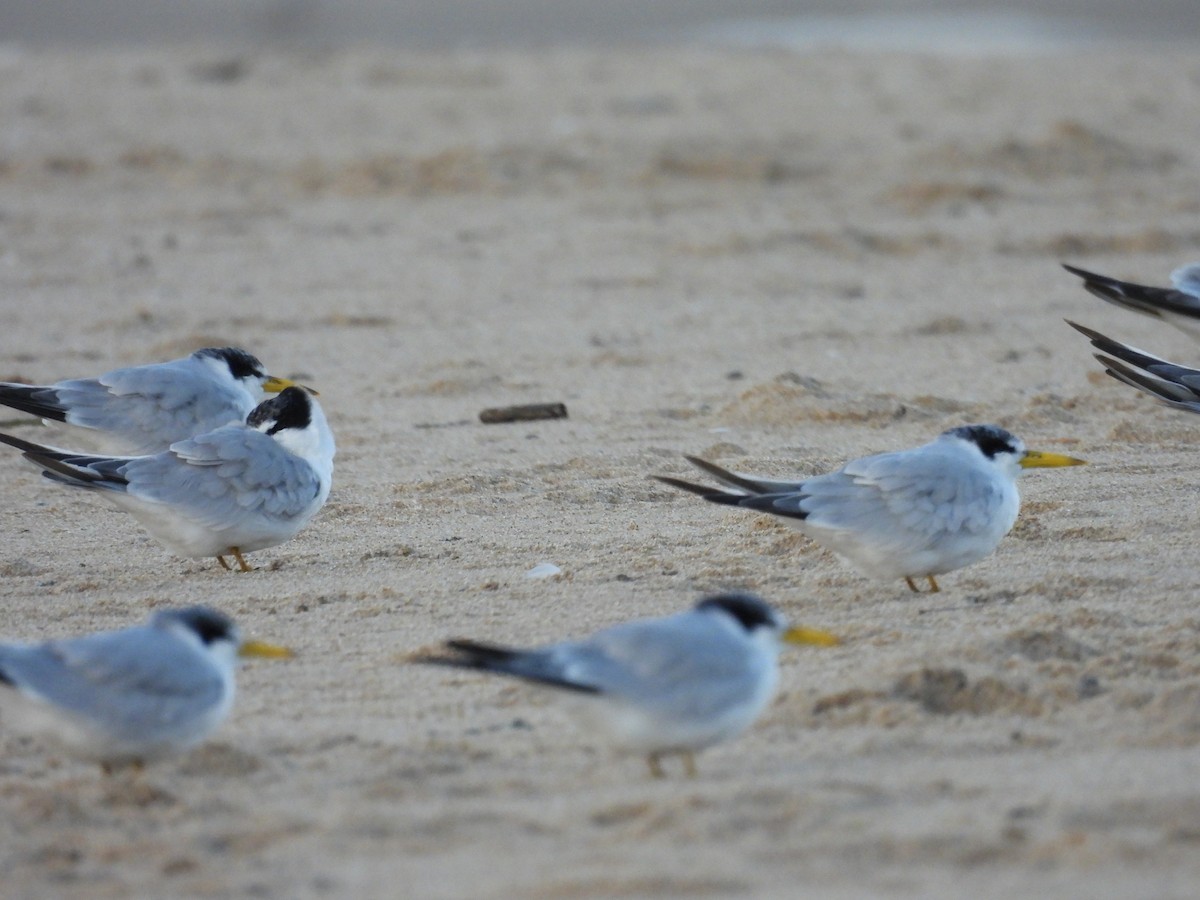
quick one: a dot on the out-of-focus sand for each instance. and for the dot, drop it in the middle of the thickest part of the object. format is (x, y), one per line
(777, 261)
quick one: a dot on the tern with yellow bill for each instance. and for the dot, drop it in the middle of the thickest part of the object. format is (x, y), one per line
(131, 696)
(242, 487)
(145, 409)
(672, 685)
(909, 514)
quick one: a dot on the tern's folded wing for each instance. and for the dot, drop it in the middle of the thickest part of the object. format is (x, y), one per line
(127, 677)
(214, 478)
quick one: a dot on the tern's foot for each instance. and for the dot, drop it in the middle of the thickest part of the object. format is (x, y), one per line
(135, 768)
(237, 555)
(912, 585)
(689, 764)
(656, 769)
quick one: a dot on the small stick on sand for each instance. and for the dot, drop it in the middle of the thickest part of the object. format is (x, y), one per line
(527, 413)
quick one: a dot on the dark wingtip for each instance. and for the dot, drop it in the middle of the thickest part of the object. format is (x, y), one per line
(1085, 331)
(699, 490)
(461, 653)
(1082, 273)
(24, 398)
(21, 444)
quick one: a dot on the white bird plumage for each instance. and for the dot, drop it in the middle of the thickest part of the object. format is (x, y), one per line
(671, 685)
(145, 409)
(239, 488)
(128, 696)
(908, 514)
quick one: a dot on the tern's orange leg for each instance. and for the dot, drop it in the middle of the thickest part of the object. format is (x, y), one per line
(656, 769)
(689, 764)
(912, 585)
(237, 555)
(933, 585)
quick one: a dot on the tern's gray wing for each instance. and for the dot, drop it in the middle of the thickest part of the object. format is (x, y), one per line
(687, 664)
(683, 665)
(145, 407)
(1175, 385)
(1183, 300)
(922, 493)
(217, 478)
(139, 677)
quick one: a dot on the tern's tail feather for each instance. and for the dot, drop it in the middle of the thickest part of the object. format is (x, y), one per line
(1169, 391)
(716, 495)
(741, 482)
(530, 665)
(1125, 352)
(1137, 297)
(68, 467)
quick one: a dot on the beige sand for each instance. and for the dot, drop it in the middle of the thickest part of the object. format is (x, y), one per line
(777, 261)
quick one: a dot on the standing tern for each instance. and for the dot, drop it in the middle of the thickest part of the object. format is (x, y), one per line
(226, 492)
(672, 685)
(130, 696)
(908, 514)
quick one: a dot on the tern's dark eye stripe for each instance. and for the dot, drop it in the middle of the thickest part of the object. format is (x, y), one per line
(241, 364)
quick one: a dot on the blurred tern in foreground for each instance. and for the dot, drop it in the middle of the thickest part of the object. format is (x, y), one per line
(147, 408)
(1174, 385)
(909, 514)
(239, 488)
(673, 685)
(1179, 306)
(129, 696)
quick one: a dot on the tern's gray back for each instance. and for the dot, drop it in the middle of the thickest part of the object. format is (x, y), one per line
(931, 490)
(150, 407)
(221, 477)
(140, 678)
(688, 664)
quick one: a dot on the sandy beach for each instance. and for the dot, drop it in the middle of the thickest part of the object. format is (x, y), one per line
(774, 260)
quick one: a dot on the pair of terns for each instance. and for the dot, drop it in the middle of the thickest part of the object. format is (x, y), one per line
(218, 468)
(670, 685)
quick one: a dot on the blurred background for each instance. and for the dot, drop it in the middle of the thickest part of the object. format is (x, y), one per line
(436, 24)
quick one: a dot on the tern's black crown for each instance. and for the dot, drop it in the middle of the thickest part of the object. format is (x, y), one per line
(991, 440)
(290, 408)
(208, 624)
(241, 364)
(749, 611)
